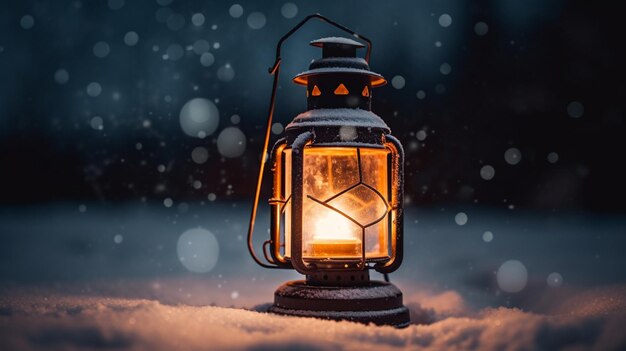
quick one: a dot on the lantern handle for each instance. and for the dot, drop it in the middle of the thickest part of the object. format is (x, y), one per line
(275, 71)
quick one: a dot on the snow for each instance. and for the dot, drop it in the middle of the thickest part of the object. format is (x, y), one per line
(231, 142)
(199, 116)
(235, 11)
(326, 70)
(338, 117)
(289, 10)
(256, 20)
(336, 40)
(398, 82)
(66, 284)
(512, 156)
(369, 292)
(43, 320)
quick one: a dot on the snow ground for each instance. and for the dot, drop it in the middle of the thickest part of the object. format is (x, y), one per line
(65, 283)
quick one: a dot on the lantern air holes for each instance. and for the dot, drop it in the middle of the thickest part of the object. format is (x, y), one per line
(199, 115)
(316, 91)
(256, 20)
(365, 92)
(198, 250)
(289, 10)
(131, 38)
(231, 142)
(575, 109)
(61, 76)
(554, 280)
(101, 49)
(226, 73)
(445, 20)
(460, 218)
(94, 89)
(481, 28)
(341, 90)
(398, 82)
(235, 11)
(487, 172)
(199, 155)
(27, 22)
(97, 123)
(512, 156)
(512, 276)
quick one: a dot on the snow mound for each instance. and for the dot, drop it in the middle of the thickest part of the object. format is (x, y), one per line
(66, 322)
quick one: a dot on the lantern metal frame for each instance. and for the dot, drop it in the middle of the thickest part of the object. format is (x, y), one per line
(275, 260)
(350, 295)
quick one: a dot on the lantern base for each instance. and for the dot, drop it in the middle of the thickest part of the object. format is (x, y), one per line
(377, 302)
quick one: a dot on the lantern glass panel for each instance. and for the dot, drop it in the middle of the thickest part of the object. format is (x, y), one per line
(345, 193)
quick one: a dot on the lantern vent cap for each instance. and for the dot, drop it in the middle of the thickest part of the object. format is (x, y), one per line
(339, 56)
(329, 41)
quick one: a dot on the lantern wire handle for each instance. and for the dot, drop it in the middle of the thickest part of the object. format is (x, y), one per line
(275, 71)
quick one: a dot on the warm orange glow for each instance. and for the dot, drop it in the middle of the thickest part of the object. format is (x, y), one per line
(341, 90)
(331, 175)
(333, 235)
(365, 92)
(316, 91)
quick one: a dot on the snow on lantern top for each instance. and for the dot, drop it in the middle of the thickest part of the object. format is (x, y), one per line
(339, 94)
(339, 57)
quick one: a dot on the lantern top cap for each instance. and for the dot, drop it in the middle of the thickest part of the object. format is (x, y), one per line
(339, 56)
(336, 40)
(337, 46)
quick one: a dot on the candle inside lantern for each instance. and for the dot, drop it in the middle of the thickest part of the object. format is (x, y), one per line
(333, 236)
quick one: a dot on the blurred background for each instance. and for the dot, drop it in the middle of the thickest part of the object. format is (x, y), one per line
(91, 95)
(125, 123)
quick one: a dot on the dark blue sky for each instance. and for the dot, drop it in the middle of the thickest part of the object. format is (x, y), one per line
(91, 94)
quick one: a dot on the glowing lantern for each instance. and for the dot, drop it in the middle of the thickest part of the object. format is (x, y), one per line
(337, 193)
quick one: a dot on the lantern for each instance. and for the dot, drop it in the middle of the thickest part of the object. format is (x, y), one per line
(336, 206)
